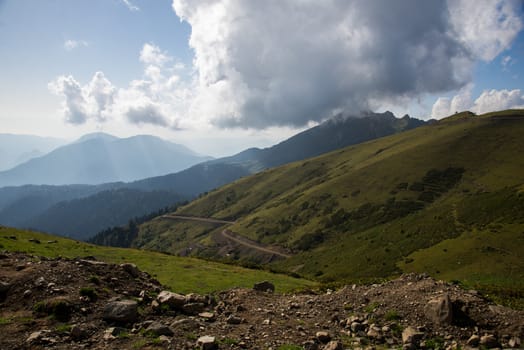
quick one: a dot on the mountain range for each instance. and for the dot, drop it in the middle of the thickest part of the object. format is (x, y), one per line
(17, 149)
(102, 158)
(52, 207)
(445, 198)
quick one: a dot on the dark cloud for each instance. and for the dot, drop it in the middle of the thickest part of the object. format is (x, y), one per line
(148, 114)
(266, 63)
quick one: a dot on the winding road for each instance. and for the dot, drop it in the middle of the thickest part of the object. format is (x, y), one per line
(228, 234)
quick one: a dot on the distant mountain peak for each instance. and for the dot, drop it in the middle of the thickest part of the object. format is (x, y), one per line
(97, 136)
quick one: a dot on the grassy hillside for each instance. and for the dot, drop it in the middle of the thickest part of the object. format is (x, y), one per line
(183, 275)
(382, 207)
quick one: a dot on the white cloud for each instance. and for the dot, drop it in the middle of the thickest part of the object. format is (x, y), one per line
(70, 45)
(83, 103)
(158, 98)
(486, 27)
(263, 63)
(130, 5)
(488, 101)
(496, 100)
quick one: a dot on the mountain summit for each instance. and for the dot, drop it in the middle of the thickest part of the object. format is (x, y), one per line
(100, 158)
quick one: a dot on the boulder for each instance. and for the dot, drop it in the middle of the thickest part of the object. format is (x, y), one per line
(130, 269)
(264, 286)
(173, 300)
(439, 310)
(125, 311)
(193, 308)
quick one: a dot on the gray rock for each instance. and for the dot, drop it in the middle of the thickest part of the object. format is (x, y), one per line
(125, 311)
(357, 327)
(208, 316)
(193, 308)
(489, 341)
(232, 319)
(439, 310)
(473, 341)
(411, 336)
(158, 329)
(113, 332)
(264, 286)
(323, 336)
(514, 342)
(78, 332)
(334, 345)
(207, 342)
(131, 269)
(173, 300)
(4, 287)
(374, 333)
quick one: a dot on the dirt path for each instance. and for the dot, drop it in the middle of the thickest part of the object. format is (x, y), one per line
(228, 234)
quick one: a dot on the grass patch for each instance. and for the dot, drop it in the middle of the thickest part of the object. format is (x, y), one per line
(290, 347)
(202, 276)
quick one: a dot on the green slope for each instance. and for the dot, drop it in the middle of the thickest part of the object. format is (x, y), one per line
(364, 211)
(183, 275)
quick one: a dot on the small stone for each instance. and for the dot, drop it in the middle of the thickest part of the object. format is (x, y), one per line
(323, 336)
(131, 269)
(473, 341)
(374, 332)
(514, 342)
(489, 341)
(207, 342)
(334, 345)
(78, 332)
(208, 316)
(357, 327)
(27, 293)
(113, 332)
(4, 287)
(158, 329)
(232, 319)
(411, 335)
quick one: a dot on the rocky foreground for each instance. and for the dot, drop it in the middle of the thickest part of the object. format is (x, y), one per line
(89, 304)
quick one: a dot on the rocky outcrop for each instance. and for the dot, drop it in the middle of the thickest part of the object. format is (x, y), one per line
(126, 312)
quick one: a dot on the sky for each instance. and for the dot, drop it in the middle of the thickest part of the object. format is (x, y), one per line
(220, 76)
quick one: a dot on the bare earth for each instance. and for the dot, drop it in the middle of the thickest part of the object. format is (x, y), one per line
(70, 304)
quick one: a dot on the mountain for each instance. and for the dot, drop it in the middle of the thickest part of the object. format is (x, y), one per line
(81, 218)
(102, 158)
(39, 207)
(335, 133)
(445, 198)
(17, 149)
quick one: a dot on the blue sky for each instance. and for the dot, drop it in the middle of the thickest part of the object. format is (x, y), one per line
(221, 76)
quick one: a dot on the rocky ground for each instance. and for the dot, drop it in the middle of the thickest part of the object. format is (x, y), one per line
(88, 304)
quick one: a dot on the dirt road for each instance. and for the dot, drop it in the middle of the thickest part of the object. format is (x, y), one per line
(228, 234)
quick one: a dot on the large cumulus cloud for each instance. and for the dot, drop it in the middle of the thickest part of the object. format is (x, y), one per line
(286, 62)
